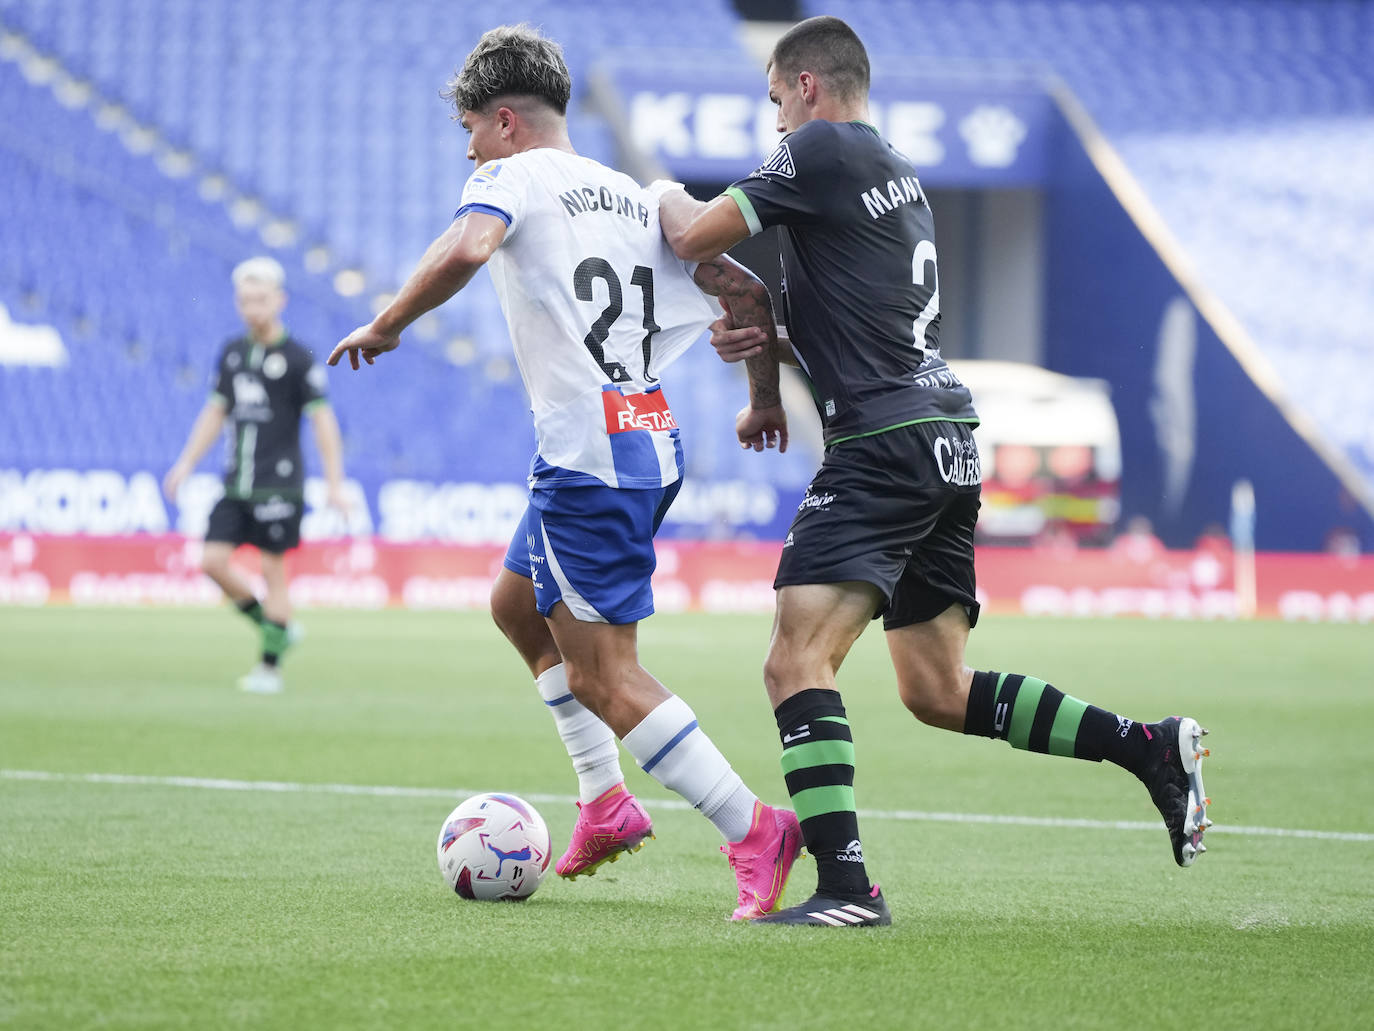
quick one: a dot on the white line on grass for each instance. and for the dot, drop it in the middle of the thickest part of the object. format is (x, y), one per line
(389, 791)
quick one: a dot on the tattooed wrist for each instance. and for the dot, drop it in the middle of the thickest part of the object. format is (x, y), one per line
(763, 382)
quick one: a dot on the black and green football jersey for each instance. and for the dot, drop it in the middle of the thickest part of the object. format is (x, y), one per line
(265, 390)
(861, 296)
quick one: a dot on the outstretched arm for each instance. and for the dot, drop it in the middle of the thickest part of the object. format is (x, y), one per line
(447, 266)
(747, 305)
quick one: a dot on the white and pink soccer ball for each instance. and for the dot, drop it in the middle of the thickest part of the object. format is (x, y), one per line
(494, 846)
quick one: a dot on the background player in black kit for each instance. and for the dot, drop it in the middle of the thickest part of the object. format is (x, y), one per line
(264, 382)
(886, 527)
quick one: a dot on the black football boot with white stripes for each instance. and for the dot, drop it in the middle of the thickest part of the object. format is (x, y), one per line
(868, 910)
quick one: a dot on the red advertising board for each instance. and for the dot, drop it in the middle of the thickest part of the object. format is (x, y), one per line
(713, 576)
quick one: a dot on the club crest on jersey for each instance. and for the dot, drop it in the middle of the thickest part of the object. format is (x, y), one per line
(487, 173)
(779, 163)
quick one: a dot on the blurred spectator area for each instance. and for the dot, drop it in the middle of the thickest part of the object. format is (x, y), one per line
(1250, 124)
(149, 145)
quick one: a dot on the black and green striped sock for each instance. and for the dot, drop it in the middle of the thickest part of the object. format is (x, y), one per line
(252, 608)
(818, 765)
(1034, 716)
(273, 641)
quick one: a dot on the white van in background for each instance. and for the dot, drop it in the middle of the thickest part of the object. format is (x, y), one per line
(1050, 452)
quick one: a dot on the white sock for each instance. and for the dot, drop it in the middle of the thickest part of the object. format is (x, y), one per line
(672, 749)
(590, 743)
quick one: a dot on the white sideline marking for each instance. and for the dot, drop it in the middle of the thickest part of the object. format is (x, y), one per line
(905, 815)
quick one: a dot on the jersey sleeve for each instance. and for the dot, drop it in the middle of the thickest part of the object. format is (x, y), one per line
(222, 380)
(789, 188)
(496, 188)
(314, 387)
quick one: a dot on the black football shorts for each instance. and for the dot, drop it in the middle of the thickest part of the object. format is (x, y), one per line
(272, 525)
(897, 510)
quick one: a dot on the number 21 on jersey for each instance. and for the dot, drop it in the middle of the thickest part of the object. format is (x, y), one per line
(643, 277)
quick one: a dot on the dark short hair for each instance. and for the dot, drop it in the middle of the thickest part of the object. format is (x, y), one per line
(511, 60)
(830, 49)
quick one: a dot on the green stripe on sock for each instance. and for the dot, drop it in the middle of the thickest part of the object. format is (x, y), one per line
(273, 637)
(1064, 733)
(834, 798)
(817, 753)
(1023, 712)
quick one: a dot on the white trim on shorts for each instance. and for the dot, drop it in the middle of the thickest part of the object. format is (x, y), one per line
(579, 606)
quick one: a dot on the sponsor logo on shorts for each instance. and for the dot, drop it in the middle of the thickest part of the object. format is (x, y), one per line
(811, 500)
(274, 509)
(788, 543)
(957, 461)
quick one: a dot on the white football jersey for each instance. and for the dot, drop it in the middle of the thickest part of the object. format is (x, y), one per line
(598, 306)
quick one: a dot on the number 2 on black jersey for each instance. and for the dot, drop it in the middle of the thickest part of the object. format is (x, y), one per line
(923, 255)
(643, 277)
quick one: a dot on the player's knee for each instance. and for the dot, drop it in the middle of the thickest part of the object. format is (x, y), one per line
(512, 607)
(779, 673)
(504, 611)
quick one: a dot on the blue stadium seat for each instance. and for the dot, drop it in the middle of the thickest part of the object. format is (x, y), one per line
(1250, 123)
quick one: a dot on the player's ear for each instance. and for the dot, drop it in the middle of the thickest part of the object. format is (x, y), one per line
(505, 121)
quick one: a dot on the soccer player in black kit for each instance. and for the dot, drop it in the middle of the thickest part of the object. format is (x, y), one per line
(265, 381)
(886, 527)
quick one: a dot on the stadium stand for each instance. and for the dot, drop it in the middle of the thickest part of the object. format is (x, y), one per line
(1249, 123)
(173, 139)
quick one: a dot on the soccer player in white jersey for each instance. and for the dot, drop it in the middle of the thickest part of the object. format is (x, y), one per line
(598, 307)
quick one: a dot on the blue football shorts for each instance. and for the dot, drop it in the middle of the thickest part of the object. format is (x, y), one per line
(592, 548)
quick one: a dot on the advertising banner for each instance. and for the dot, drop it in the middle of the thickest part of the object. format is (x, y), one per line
(109, 502)
(718, 125)
(705, 576)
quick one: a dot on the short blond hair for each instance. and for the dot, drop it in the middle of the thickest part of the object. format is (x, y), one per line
(261, 269)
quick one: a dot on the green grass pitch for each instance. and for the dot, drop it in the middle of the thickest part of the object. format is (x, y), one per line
(149, 902)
